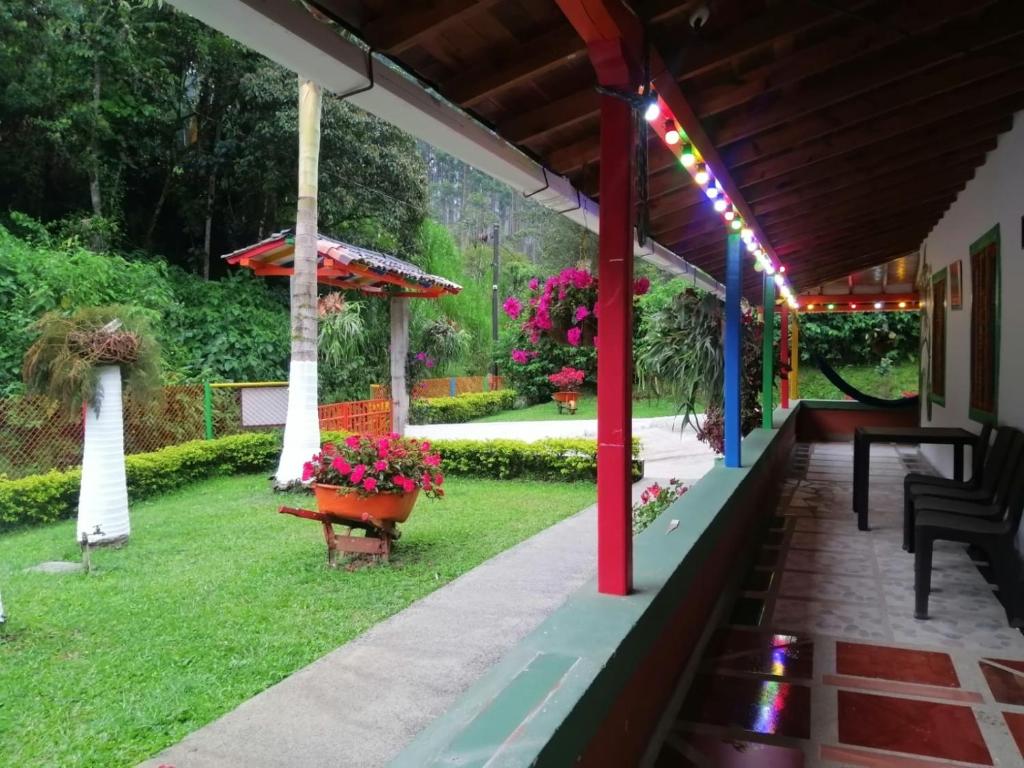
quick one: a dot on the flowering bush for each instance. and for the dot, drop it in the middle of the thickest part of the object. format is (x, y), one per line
(567, 378)
(653, 501)
(564, 306)
(366, 465)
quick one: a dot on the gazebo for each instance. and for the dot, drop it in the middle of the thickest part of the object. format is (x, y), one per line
(351, 268)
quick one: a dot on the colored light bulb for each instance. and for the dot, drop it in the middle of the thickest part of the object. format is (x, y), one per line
(671, 132)
(686, 157)
(653, 110)
(878, 305)
(778, 280)
(903, 305)
(721, 205)
(701, 175)
(737, 223)
(712, 191)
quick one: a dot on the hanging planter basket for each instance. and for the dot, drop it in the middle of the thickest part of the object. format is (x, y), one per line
(381, 509)
(105, 347)
(559, 331)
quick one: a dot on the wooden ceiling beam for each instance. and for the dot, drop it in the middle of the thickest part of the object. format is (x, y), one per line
(906, 73)
(851, 232)
(965, 86)
(907, 182)
(853, 42)
(837, 270)
(407, 24)
(929, 142)
(516, 65)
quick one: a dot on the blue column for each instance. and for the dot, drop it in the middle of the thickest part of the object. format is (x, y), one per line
(451, 386)
(733, 344)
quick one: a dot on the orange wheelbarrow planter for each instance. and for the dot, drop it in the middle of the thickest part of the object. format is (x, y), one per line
(566, 401)
(375, 515)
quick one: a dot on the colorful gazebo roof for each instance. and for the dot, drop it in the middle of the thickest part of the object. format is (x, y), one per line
(343, 266)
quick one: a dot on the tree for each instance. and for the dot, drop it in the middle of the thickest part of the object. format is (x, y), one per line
(302, 425)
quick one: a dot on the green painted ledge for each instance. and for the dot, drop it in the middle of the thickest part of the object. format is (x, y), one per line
(560, 679)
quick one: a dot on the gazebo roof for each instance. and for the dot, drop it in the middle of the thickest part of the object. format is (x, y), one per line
(343, 266)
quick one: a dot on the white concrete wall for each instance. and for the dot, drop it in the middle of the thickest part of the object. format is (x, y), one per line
(994, 195)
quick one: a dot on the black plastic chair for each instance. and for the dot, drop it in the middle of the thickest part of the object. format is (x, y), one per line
(995, 535)
(978, 455)
(986, 491)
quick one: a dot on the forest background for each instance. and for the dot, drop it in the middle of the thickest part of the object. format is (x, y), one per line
(138, 145)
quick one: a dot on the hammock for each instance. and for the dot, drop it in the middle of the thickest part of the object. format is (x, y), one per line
(846, 388)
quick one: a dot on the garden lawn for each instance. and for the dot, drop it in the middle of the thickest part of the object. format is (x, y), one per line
(587, 409)
(215, 598)
(814, 385)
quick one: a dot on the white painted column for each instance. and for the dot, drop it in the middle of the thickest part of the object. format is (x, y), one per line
(103, 497)
(399, 355)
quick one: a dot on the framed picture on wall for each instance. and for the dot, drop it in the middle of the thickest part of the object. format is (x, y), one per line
(985, 327)
(937, 393)
(955, 286)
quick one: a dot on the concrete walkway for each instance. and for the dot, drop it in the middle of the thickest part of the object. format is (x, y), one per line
(361, 704)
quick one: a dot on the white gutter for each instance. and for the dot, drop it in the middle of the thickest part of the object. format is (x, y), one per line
(288, 34)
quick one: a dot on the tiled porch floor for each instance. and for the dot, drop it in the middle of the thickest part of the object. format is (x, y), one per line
(821, 662)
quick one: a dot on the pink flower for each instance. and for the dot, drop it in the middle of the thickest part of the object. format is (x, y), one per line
(430, 362)
(426, 482)
(645, 497)
(581, 279)
(520, 356)
(341, 466)
(357, 473)
(432, 460)
(438, 479)
(352, 441)
(380, 465)
(641, 286)
(425, 445)
(573, 336)
(307, 471)
(534, 283)
(513, 308)
(581, 314)
(370, 483)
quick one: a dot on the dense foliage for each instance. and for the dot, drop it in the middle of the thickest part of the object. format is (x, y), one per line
(461, 408)
(859, 337)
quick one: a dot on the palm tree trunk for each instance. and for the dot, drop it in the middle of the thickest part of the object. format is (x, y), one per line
(302, 426)
(103, 499)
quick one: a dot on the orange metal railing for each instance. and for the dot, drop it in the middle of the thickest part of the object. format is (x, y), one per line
(367, 417)
(443, 387)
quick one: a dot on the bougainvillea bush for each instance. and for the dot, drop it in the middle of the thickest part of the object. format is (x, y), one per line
(367, 466)
(654, 500)
(567, 379)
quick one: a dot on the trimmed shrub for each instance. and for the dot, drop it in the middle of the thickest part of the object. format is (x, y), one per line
(54, 495)
(461, 408)
(552, 459)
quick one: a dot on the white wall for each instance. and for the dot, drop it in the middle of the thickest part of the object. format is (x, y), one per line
(994, 195)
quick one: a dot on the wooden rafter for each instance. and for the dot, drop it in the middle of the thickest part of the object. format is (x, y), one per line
(397, 32)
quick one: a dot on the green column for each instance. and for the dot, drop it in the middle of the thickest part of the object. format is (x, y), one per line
(767, 349)
(208, 409)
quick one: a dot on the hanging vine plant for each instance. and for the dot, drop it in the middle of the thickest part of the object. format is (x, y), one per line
(64, 361)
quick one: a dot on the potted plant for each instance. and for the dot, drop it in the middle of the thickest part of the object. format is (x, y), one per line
(567, 383)
(374, 479)
(564, 307)
(82, 358)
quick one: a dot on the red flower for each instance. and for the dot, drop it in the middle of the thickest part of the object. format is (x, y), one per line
(341, 466)
(307, 471)
(352, 441)
(357, 473)
(425, 445)
(370, 483)
(641, 286)
(330, 449)
(432, 460)
(438, 479)
(380, 466)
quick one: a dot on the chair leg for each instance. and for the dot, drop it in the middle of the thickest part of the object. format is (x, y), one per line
(908, 522)
(922, 574)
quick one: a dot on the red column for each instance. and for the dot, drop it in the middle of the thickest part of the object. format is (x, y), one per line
(784, 354)
(615, 350)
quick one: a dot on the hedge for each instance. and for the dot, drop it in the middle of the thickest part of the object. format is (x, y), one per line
(54, 495)
(461, 408)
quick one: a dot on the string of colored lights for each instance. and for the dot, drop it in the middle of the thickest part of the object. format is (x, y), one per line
(664, 123)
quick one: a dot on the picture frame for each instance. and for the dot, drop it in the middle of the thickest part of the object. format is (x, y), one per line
(956, 285)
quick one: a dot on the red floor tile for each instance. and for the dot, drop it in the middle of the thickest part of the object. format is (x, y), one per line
(946, 731)
(766, 653)
(706, 750)
(1015, 722)
(1007, 686)
(761, 706)
(900, 664)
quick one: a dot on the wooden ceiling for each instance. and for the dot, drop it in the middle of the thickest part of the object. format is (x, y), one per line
(849, 125)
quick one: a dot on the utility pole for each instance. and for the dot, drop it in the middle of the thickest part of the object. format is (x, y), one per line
(496, 271)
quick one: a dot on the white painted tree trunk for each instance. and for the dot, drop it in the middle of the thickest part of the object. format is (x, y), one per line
(399, 355)
(103, 498)
(302, 424)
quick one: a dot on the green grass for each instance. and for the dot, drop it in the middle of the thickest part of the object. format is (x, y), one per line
(215, 598)
(814, 386)
(587, 409)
